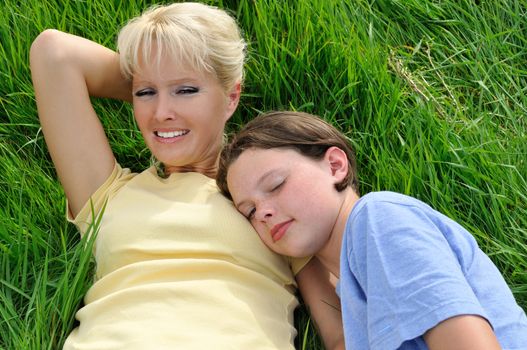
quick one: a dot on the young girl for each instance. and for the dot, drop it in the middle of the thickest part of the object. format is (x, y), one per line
(177, 265)
(410, 277)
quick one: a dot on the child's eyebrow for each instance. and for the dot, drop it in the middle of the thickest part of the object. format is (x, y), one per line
(260, 180)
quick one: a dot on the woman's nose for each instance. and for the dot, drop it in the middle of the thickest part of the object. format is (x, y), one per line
(164, 110)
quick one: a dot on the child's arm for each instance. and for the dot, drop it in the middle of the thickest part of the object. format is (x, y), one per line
(319, 294)
(462, 333)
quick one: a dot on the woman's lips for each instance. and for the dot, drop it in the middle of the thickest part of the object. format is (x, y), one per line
(279, 230)
(169, 136)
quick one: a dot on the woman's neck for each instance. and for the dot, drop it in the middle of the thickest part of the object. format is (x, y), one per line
(207, 171)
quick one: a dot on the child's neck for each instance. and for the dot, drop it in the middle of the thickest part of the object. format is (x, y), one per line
(329, 255)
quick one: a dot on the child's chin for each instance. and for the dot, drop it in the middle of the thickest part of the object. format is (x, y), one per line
(297, 254)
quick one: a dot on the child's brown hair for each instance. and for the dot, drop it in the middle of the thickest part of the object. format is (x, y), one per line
(308, 134)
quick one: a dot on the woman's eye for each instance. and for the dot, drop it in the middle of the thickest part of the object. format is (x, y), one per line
(187, 90)
(144, 92)
(251, 213)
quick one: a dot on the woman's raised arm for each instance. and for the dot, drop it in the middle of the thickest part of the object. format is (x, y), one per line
(67, 70)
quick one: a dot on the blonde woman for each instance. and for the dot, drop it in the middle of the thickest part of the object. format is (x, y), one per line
(177, 266)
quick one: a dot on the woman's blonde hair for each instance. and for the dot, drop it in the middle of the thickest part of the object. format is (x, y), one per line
(202, 36)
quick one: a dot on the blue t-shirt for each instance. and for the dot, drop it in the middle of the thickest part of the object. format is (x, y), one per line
(406, 267)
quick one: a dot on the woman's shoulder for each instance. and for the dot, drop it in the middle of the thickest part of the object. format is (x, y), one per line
(118, 178)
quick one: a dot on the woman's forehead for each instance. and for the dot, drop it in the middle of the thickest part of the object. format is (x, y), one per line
(168, 67)
(161, 54)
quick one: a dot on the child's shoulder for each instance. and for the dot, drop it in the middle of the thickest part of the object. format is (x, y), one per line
(389, 197)
(383, 204)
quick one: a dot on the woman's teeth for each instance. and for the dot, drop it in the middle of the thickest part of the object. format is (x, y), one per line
(170, 134)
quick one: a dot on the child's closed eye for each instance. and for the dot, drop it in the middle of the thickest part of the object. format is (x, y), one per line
(277, 186)
(250, 213)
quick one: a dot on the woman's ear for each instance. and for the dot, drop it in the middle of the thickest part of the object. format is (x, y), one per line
(338, 163)
(234, 99)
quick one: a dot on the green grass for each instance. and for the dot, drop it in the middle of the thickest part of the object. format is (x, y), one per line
(431, 93)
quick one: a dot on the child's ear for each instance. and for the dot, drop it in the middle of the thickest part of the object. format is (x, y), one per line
(338, 163)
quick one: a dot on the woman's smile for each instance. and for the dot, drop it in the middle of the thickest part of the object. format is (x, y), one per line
(170, 136)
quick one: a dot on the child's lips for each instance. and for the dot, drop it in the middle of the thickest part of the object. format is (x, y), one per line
(279, 230)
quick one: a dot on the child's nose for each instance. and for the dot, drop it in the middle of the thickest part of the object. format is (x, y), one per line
(264, 212)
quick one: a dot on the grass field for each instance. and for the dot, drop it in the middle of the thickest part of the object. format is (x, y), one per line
(433, 95)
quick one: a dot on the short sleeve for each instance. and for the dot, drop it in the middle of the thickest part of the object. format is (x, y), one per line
(409, 272)
(97, 201)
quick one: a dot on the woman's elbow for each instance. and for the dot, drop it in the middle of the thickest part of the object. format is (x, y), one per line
(47, 49)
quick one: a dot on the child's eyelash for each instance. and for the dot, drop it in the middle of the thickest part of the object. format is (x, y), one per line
(277, 186)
